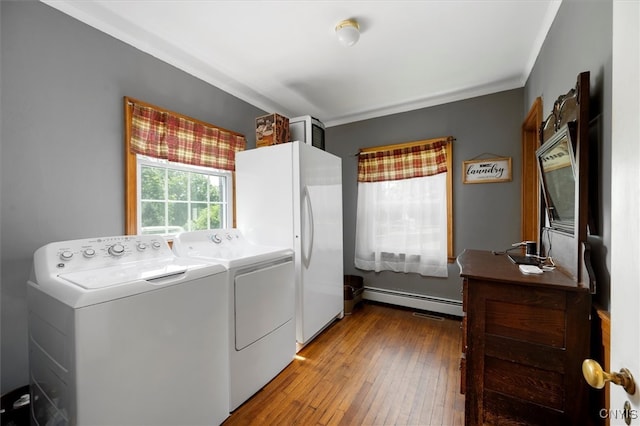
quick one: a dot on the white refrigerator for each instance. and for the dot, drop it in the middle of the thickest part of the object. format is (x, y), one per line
(290, 195)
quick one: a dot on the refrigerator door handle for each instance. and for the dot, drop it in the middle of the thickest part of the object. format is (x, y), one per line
(307, 240)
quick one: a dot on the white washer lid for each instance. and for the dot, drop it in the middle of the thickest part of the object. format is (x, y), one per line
(122, 274)
(90, 287)
(85, 272)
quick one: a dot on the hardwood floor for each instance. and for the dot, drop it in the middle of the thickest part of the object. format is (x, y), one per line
(381, 365)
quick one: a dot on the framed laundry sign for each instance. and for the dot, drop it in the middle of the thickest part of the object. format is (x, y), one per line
(487, 170)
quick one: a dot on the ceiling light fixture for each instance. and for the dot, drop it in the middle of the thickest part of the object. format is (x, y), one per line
(348, 32)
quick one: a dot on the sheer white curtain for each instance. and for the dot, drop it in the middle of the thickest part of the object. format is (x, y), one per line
(401, 224)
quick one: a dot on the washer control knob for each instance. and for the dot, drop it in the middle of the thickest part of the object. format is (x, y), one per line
(66, 255)
(116, 250)
(156, 245)
(141, 246)
(216, 238)
(88, 252)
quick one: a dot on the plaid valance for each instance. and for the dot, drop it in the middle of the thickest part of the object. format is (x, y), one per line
(161, 134)
(403, 163)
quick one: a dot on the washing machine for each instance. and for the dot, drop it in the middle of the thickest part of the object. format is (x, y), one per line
(123, 332)
(262, 339)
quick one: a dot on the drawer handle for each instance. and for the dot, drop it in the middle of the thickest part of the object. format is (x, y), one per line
(597, 377)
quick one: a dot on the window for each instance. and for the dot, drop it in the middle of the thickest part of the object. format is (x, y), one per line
(179, 171)
(404, 219)
(177, 197)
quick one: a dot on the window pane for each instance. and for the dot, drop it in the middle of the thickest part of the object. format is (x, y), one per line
(199, 218)
(152, 187)
(177, 185)
(216, 217)
(156, 230)
(198, 188)
(152, 216)
(178, 216)
(216, 191)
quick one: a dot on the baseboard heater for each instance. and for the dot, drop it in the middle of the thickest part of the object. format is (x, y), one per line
(412, 300)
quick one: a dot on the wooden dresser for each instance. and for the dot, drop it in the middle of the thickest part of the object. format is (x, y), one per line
(524, 340)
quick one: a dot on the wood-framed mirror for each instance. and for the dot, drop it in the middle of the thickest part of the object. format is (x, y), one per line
(566, 240)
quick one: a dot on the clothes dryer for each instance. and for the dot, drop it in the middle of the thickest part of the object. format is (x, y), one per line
(122, 331)
(262, 339)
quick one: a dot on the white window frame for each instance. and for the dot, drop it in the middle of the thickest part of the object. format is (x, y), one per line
(227, 197)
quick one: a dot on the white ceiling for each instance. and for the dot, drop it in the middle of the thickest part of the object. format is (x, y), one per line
(283, 56)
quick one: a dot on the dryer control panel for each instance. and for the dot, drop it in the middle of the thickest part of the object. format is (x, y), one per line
(226, 246)
(214, 243)
(225, 237)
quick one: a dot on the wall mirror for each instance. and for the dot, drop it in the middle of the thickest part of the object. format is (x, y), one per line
(557, 168)
(563, 166)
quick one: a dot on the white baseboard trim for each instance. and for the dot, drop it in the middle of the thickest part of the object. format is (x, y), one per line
(412, 300)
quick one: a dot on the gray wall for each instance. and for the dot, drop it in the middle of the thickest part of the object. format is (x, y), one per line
(580, 40)
(62, 168)
(486, 216)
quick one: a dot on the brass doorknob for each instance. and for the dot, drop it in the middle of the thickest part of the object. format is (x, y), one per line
(597, 377)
